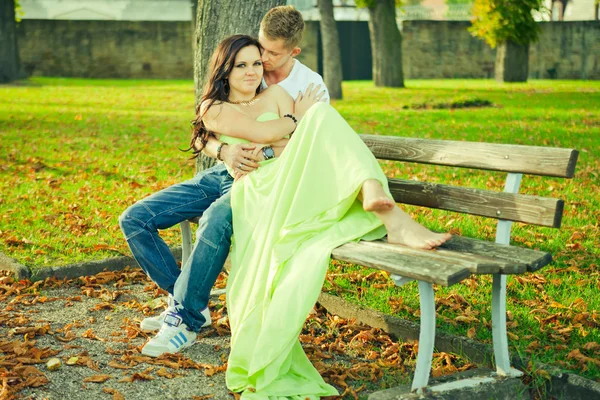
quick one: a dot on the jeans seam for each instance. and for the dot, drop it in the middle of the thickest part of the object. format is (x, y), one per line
(209, 243)
(161, 256)
(170, 210)
(217, 250)
(134, 234)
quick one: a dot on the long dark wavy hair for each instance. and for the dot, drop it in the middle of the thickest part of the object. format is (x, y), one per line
(216, 88)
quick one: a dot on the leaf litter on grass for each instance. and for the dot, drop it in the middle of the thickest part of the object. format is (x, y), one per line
(71, 183)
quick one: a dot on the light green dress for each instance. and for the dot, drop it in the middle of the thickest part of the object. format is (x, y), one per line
(288, 216)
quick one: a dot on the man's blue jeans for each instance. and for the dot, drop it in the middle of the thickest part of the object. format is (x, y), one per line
(206, 195)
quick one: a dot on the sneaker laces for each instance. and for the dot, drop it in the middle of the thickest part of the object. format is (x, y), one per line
(168, 329)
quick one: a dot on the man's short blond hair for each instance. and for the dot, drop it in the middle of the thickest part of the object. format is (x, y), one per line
(283, 22)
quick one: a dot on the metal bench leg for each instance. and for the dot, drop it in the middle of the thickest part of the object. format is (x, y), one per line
(499, 324)
(500, 339)
(186, 241)
(426, 338)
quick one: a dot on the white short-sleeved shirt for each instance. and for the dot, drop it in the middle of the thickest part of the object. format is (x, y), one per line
(298, 80)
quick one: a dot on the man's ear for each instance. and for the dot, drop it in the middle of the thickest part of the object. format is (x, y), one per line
(296, 51)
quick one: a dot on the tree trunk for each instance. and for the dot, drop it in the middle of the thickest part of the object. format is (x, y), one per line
(512, 62)
(10, 65)
(194, 5)
(596, 12)
(215, 21)
(332, 59)
(563, 8)
(386, 44)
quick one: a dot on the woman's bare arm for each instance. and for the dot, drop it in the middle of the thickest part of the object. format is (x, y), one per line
(226, 120)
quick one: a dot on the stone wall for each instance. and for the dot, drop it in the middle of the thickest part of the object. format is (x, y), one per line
(431, 50)
(119, 49)
(310, 53)
(106, 49)
(445, 49)
(566, 50)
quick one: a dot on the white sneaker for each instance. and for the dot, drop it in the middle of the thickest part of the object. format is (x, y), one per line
(154, 323)
(173, 336)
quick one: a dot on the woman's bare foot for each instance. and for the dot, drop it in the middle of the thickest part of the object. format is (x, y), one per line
(402, 229)
(374, 198)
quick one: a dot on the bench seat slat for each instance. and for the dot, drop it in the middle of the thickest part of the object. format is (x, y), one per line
(454, 261)
(534, 160)
(535, 210)
(476, 263)
(425, 269)
(531, 259)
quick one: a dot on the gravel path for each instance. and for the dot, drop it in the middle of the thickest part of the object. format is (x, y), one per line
(91, 324)
(101, 331)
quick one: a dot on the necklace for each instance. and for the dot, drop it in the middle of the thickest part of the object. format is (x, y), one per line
(254, 100)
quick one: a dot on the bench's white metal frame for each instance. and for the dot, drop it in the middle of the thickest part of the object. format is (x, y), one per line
(186, 241)
(499, 336)
(427, 305)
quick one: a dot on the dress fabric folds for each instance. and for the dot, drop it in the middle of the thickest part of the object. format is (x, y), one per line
(288, 216)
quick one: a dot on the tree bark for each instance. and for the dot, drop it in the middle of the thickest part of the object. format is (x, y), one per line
(215, 21)
(194, 5)
(512, 62)
(563, 8)
(386, 44)
(10, 65)
(332, 59)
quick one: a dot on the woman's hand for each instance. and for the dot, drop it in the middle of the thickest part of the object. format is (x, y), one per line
(240, 157)
(303, 102)
(257, 152)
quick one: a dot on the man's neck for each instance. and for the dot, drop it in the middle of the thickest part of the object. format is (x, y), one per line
(276, 76)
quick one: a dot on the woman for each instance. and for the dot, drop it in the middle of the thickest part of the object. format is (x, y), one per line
(325, 189)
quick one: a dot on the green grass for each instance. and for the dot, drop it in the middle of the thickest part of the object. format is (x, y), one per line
(75, 153)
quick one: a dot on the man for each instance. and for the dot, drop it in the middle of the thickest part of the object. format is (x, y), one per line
(208, 195)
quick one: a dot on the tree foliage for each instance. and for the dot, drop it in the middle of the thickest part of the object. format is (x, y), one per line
(371, 3)
(498, 21)
(18, 11)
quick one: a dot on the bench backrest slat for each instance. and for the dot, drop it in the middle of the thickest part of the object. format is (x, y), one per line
(534, 160)
(500, 205)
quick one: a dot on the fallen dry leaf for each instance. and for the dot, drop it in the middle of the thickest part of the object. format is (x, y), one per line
(116, 394)
(137, 377)
(97, 378)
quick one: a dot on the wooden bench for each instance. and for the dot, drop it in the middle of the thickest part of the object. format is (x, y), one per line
(461, 257)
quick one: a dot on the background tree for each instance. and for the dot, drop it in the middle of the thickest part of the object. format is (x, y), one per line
(508, 25)
(596, 9)
(216, 20)
(562, 9)
(194, 5)
(10, 64)
(386, 42)
(332, 59)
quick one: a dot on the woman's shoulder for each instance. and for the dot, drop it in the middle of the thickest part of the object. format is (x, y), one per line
(279, 96)
(210, 107)
(274, 91)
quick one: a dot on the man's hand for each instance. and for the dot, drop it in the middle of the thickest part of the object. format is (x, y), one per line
(240, 157)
